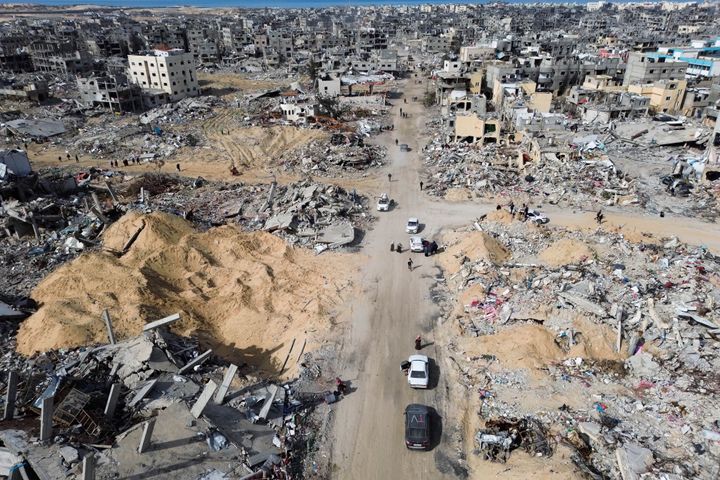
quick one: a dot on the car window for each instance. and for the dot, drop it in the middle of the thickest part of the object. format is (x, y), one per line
(417, 421)
(417, 374)
(416, 433)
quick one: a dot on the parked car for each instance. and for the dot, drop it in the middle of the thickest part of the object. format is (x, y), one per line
(417, 427)
(418, 376)
(537, 217)
(413, 225)
(383, 204)
(417, 244)
(404, 147)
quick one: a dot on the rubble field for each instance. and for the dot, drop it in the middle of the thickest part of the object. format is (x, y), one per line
(594, 354)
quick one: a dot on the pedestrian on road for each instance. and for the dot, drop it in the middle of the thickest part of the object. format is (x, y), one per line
(77, 160)
(401, 111)
(421, 185)
(418, 342)
(512, 208)
(59, 158)
(396, 141)
(389, 177)
(410, 264)
(392, 246)
(177, 165)
(599, 217)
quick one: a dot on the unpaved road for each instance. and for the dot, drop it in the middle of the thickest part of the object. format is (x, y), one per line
(395, 307)
(368, 432)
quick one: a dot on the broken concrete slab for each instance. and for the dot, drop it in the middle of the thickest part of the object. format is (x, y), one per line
(584, 304)
(140, 394)
(281, 221)
(337, 235)
(633, 460)
(204, 398)
(162, 322)
(196, 361)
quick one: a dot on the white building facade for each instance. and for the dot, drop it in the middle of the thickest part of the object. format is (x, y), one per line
(167, 75)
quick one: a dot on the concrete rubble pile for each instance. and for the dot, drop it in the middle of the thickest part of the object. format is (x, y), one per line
(117, 407)
(653, 411)
(303, 213)
(490, 172)
(48, 218)
(343, 154)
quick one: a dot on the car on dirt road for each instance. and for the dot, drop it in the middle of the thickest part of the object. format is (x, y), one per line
(537, 217)
(417, 244)
(404, 147)
(383, 203)
(417, 427)
(418, 376)
(413, 225)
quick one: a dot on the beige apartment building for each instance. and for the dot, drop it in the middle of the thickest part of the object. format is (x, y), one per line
(164, 75)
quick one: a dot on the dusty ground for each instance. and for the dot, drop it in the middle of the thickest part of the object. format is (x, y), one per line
(230, 84)
(248, 295)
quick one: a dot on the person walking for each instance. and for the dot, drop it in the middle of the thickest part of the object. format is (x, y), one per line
(77, 160)
(389, 177)
(177, 166)
(401, 111)
(418, 342)
(599, 217)
(421, 185)
(410, 264)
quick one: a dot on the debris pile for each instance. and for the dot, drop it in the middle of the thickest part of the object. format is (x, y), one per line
(343, 154)
(303, 213)
(571, 320)
(96, 405)
(491, 172)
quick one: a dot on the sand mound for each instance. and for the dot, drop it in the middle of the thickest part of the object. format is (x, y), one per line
(565, 252)
(526, 346)
(475, 246)
(500, 216)
(246, 294)
(458, 195)
(597, 341)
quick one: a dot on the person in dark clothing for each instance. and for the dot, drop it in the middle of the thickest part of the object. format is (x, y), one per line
(77, 160)
(410, 264)
(421, 185)
(599, 217)
(177, 165)
(418, 342)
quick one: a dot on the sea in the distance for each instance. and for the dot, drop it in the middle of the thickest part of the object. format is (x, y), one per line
(263, 3)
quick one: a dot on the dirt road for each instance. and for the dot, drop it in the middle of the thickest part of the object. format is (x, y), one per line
(368, 436)
(395, 307)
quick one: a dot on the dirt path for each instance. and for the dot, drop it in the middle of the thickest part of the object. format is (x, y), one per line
(395, 307)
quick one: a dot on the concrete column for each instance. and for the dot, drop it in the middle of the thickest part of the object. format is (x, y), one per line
(108, 324)
(112, 400)
(146, 436)
(204, 398)
(227, 380)
(10, 396)
(88, 471)
(46, 415)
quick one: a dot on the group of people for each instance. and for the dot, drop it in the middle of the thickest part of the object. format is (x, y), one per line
(67, 155)
(522, 213)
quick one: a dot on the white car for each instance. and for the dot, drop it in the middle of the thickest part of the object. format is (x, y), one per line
(416, 244)
(383, 203)
(413, 225)
(537, 217)
(418, 376)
